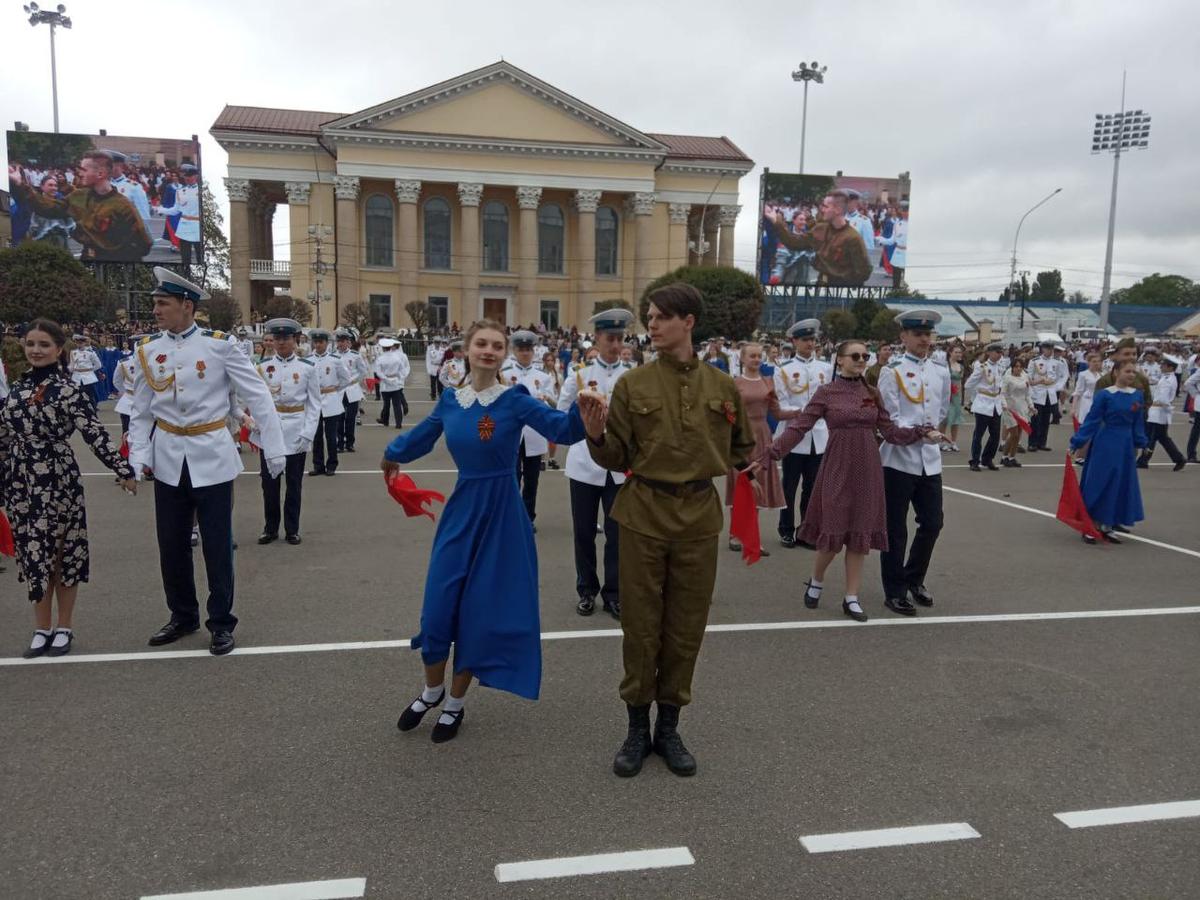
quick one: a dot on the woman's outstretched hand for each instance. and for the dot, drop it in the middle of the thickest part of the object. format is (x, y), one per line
(388, 468)
(594, 411)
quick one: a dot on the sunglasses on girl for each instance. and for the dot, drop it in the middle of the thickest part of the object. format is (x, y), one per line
(857, 357)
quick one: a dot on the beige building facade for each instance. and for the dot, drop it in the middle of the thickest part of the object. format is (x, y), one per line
(492, 194)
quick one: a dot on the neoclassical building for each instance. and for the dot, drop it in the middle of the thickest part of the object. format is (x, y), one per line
(491, 194)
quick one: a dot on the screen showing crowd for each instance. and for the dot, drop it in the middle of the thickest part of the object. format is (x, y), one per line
(833, 230)
(107, 199)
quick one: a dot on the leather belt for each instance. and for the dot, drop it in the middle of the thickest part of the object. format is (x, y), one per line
(190, 430)
(289, 409)
(675, 488)
(329, 390)
(986, 394)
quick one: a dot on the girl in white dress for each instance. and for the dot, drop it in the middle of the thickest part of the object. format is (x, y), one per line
(1016, 399)
(1084, 393)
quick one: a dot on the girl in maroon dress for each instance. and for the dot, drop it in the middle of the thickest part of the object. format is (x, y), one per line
(847, 507)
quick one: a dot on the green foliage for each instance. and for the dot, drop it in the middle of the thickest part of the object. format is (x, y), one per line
(733, 300)
(1160, 290)
(213, 269)
(418, 312)
(281, 306)
(14, 358)
(46, 150)
(839, 324)
(884, 327)
(37, 279)
(358, 316)
(905, 293)
(1048, 287)
(224, 313)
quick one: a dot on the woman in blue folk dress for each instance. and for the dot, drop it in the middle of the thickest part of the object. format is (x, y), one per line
(1115, 425)
(481, 593)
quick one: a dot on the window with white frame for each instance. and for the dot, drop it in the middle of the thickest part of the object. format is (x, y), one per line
(378, 232)
(437, 233)
(439, 312)
(380, 308)
(549, 314)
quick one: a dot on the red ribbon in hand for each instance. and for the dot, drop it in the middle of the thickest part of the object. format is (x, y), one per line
(7, 546)
(1023, 424)
(405, 492)
(124, 451)
(743, 520)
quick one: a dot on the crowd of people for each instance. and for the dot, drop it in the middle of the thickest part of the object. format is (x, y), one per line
(842, 440)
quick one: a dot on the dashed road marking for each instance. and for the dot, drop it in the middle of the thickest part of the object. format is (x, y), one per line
(1124, 815)
(888, 837)
(598, 864)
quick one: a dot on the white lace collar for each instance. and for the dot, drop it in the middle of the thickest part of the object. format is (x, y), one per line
(466, 395)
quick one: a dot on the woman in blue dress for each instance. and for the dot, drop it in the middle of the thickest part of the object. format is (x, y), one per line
(481, 592)
(1115, 425)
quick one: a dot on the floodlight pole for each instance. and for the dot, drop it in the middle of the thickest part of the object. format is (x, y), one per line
(1105, 290)
(807, 73)
(38, 16)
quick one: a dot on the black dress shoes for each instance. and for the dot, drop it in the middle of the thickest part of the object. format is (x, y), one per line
(1121, 529)
(293, 539)
(586, 606)
(170, 633)
(900, 606)
(266, 537)
(613, 608)
(315, 472)
(669, 745)
(973, 466)
(920, 596)
(629, 759)
(991, 466)
(381, 422)
(222, 643)
(811, 602)
(447, 732)
(787, 540)
(410, 718)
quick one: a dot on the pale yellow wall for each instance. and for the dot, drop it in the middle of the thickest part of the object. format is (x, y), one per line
(676, 181)
(372, 154)
(316, 160)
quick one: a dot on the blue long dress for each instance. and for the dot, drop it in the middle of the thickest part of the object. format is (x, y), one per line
(481, 593)
(1115, 425)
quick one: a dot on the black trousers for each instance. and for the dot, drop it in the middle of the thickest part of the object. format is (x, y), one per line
(124, 422)
(586, 502)
(1193, 438)
(435, 387)
(325, 443)
(349, 421)
(529, 472)
(1157, 433)
(175, 509)
(799, 470)
(394, 401)
(293, 476)
(990, 424)
(924, 494)
(1041, 424)
(186, 248)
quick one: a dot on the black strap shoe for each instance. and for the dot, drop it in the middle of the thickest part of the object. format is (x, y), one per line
(669, 745)
(920, 596)
(38, 648)
(266, 537)
(447, 732)
(586, 606)
(170, 633)
(411, 718)
(900, 606)
(810, 601)
(629, 759)
(60, 649)
(222, 642)
(856, 614)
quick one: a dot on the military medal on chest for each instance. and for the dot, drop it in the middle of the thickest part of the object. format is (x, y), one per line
(200, 367)
(487, 427)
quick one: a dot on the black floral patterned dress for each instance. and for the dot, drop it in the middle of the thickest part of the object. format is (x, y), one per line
(40, 486)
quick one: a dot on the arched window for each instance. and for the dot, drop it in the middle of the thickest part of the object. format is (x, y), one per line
(606, 241)
(437, 233)
(380, 222)
(495, 236)
(551, 236)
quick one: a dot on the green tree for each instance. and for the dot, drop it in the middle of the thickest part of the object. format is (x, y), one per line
(14, 357)
(839, 324)
(37, 279)
(1079, 297)
(418, 311)
(865, 309)
(42, 148)
(733, 300)
(1047, 287)
(602, 305)
(1160, 290)
(884, 327)
(905, 293)
(281, 306)
(358, 316)
(224, 313)
(214, 262)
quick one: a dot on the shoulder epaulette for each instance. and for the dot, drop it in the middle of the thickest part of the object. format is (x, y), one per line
(219, 335)
(306, 360)
(150, 337)
(895, 363)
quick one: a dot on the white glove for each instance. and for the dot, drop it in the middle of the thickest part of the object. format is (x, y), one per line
(305, 447)
(275, 466)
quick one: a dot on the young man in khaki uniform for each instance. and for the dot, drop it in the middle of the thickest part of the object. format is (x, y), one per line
(676, 424)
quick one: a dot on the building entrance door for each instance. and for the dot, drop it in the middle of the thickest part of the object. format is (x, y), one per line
(495, 308)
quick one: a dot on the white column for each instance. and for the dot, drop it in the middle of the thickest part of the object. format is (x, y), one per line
(640, 206)
(586, 203)
(408, 192)
(525, 309)
(470, 249)
(727, 220)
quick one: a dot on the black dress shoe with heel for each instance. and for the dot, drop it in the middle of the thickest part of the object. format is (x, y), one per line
(857, 615)
(222, 642)
(449, 731)
(900, 606)
(170, 633)
(586, 606)
(920, 596)
(293, 539)
(810, 601)
(267, 537)
(613, 608)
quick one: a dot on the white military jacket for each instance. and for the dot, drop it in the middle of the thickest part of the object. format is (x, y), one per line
(914, 392)
(124, 377)
(1043, 376)
(181, 403)
(332, 374)
(596, 376)
(796, 380)
(1152, 371)
(356, 369)
(187, 207)
(987, 381)
(1163, 397)
(84, 366)
(296, 392)
(392, 368)
(452, 373)
(541, 387)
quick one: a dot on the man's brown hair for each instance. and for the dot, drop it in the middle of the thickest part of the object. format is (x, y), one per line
(102, 158)
(678, 299)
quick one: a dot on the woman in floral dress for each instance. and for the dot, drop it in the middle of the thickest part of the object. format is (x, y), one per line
(40, 486)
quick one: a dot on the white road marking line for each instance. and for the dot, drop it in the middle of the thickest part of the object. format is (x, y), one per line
(1155, 465)
(1050, 515)
(300, 890)
(888, 837)
(377, 472)
(565, 866)
(899, 622)
(1123, 815)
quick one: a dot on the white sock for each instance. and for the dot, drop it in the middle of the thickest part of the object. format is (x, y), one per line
(852, 602)
(40, 638)
(814, 587)
(453, 705)
(61, 637)
(429, 696)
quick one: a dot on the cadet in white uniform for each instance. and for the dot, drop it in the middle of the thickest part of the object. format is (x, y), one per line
(433, 360)
(914, 391)
(124, 377)
(128, 188)
(296, 392)
(452, 373)
(987, 381)
(177, 430)
(1159, 417)
(796, 380)
(593, 487)
(356, 369)
(332, 374)
(1043, 376)
(187, 207)
(86, 368)
(1150, 366)
(392, 368)
(540, 385)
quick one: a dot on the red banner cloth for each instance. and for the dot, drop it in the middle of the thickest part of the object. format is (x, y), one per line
(1075, 423)
(1023, 424)
(7, 547)
(1071, 508)
(743, 520)
(405, 492)
(369, 383)
(124, 451)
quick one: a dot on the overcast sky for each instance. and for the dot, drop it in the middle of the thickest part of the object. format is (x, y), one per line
(990, 106)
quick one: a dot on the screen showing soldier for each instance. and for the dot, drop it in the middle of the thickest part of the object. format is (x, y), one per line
(107, 199)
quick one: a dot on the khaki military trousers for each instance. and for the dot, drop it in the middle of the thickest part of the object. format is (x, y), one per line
(666, 589)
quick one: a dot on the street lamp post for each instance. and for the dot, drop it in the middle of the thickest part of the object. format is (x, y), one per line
(1012, 277)
(1127, 130)
(806, 73)
(55, 19)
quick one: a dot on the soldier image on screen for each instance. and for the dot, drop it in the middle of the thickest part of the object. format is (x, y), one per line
(105, 223)
(187, 207)
(841, 256)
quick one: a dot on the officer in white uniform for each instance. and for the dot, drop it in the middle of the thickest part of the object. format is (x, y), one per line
(1043, 376)
(914, 391)
(177, 430)
(1063, 369)
(124, 378)
(296, 391)
(541, 387)
(86, 368)
(333, 378)
(987, 381)
(1159, 417)
(128, 188)
(593, 487)
(244, 343)
(433, 359)
(392, 368)
(796, 380)
(356, 370)
(1150, 366)
(187, 207)
(453, 372)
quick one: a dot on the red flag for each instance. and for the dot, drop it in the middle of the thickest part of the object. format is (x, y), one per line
(1075, 423)
(1023, 424)
(243, 434)
(7, 547)
(369, 383)
(405, 492)
(124, 451)
(743, 520)
(1071, 508)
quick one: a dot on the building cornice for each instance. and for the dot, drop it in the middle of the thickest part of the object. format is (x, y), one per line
(249, 140)
(388, 172)
(452, 143)
(707, 167)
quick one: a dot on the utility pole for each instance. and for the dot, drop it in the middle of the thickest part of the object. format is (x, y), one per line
(319, 268)
(56, 19)
(1012, 277)
(806, 73)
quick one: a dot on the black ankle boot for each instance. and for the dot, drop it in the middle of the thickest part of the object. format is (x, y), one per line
(669, 745)
(636, 748)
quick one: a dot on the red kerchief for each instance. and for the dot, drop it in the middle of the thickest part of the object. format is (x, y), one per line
(405, 492)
